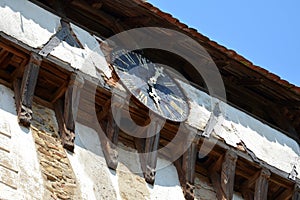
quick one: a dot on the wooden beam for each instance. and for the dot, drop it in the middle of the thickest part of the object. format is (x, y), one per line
(24, 91)
(285, 195)
(261, 185)
(109, 143)
(149, 155)
(71, 103)
(224, 182)
(228, 173)
(188, 166)
(296, 193)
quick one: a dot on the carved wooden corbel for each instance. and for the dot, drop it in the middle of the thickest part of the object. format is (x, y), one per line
(188, 168)
(151, 147)
(224, 182)
(66, 112)
(109, 143)
(24, 90)
(148, 151)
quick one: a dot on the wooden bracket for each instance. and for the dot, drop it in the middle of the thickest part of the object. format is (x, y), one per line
(224, 182)
(188, 168)
(24, 90)
(109, 143)
(149, 149)
(261, 185)
(66, 112)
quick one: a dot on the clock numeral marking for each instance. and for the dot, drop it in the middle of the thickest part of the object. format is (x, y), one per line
(169, 84)
(159, 108)
(142, 97)
(176, 107)
(143, 61)
(170, 112)
(125, 63)
(176, 98)
(130, 59)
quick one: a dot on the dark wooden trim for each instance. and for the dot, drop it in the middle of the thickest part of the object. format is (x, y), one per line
(109, 143)
(228, 173)
(149, 156)
(261, 185)
(188, 168)
(66, 111)
(223, 181)
(24, 90)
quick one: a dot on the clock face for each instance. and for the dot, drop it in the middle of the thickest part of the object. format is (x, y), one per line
(151, 85)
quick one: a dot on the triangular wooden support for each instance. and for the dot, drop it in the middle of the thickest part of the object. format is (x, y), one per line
(64, 34)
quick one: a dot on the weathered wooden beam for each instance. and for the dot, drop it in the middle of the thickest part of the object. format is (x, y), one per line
(224, 182)
(261, 185)
(285, 195)
(70, 109)
(228, 173)
(24, 91)
(188, 165)
(109, 143)
(151, 147)
(149, 155)
(102, 17)
(296, 193)
(248, 194)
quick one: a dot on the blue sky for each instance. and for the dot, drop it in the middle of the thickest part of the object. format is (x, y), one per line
(266, 32)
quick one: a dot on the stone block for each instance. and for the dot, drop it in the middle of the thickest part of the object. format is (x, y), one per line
(5, 128)
(5, 142)
(7, 162)
(8, 177)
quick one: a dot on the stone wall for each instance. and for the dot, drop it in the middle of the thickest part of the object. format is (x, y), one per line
(59, 179)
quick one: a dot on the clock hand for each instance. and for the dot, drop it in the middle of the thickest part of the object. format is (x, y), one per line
(158, 72)
(154, 95)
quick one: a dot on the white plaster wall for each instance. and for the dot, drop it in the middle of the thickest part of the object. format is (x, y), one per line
(89, 60)
(96, 179)
(23, 154)
(27, 22)
(166, 185)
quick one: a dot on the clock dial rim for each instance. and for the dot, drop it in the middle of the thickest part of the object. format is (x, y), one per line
(184, 105)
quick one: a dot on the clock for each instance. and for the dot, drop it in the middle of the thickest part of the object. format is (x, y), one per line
(151, 84)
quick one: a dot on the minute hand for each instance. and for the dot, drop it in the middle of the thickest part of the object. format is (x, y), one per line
(158, 72)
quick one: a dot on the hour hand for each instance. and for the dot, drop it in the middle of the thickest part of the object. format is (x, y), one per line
(154, 95)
